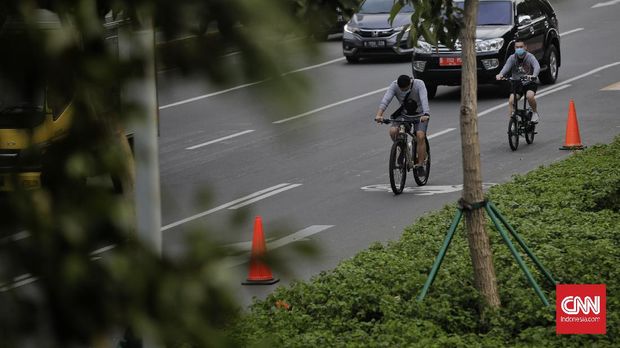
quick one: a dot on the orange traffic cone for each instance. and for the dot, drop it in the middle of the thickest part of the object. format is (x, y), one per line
(573, 140)
(259, 273)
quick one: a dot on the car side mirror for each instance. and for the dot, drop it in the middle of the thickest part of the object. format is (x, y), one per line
(524, 20)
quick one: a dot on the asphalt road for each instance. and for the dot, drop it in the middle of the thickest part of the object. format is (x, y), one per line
(321, 177)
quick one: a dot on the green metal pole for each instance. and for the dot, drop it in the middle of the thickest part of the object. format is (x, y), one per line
(440, 256)
(516, 255)
(523, 245)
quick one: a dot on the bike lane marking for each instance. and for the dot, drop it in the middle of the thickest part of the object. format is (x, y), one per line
(272, 245)
(275, 192)
(428, 190)
(254, 197)
(220, 139)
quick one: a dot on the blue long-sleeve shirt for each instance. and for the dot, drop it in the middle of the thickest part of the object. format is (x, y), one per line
(418, 93)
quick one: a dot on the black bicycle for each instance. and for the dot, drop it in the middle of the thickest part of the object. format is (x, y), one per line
(403, 156)
(520, 123)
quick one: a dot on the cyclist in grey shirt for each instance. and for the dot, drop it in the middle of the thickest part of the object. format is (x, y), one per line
(416, 103)
(522, 63)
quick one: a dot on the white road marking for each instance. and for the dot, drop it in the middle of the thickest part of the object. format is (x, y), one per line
(553, 90)
(440, 133)
(545, 92)
(22, 280)
(103, 250)
(612, 87)
(191, 100)
(17, 236)
(428, 190)
(291, 238)
(294, 237)
(232, 54)
(224, 206)
(571, 31)
(603, 4)
(588, 73)
(265, 196)
(314, 66)
(220, 139)
(331, 105)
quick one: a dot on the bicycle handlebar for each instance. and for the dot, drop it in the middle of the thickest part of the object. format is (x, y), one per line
(523, 78)
(407, 118)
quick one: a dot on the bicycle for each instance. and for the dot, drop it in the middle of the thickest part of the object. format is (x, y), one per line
(403, 157)
(520, 121)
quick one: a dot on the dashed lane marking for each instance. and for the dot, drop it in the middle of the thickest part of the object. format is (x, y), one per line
(220, 139)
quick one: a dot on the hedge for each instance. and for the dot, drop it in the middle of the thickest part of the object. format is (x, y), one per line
(569, 215)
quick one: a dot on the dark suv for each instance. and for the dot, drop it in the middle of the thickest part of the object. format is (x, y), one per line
(499, 23)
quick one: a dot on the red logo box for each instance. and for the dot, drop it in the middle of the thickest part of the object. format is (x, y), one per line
(580, 309)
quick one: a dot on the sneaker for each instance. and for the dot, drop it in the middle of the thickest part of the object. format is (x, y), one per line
(535, 117)
(420, 170)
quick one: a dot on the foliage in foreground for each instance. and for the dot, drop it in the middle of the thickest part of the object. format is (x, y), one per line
(569, 215)
(80, 299)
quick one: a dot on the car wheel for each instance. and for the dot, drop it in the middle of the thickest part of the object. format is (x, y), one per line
(431, 91)
(352, 59)
(551, 74)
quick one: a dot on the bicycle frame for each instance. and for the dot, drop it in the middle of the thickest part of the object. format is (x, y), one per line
(400, 145)
(516, 111)
(520, 120)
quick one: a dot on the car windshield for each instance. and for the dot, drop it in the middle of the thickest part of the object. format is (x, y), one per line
(18, 109)
(381, 6)
(14, 101)
(493, 12)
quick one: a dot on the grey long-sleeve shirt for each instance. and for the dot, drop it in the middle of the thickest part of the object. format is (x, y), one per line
(418, 93)
(529, 65)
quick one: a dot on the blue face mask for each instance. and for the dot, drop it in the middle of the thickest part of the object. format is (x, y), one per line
(520, 51)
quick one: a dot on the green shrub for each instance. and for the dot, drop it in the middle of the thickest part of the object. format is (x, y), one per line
(566, 212)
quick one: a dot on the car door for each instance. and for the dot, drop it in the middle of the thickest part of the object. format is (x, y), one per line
(531, 26)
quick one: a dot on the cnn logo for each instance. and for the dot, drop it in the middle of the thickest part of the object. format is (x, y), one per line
(576, 304)
(580, 309)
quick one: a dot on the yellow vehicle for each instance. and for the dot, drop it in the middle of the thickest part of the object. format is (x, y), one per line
(26, 125)
(32, 115)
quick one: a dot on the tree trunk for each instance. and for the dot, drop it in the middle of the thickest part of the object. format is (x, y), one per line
(479, 246)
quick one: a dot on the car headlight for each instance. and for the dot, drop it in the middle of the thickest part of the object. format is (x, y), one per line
(489, 45)
(423, 47)
(403, 27)
(351, 29)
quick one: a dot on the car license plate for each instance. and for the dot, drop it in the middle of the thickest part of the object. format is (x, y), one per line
(374, 44)
(450, 61)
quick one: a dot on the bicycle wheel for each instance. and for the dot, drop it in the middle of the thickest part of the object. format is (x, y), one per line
(530, 130)
(422, 180)
(513, 133)
(398, 166)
